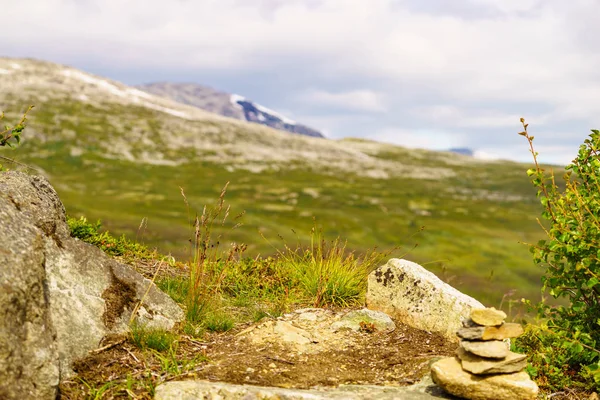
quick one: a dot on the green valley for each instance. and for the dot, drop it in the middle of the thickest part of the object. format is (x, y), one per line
(122, 156)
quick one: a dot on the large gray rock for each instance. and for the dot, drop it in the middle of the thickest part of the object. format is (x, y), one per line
(410, 294)
(60, 297)
(28, 351)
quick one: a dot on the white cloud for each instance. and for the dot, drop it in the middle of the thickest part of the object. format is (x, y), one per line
(358, 100)
(457, 117)
(411, 65)
(417, 138)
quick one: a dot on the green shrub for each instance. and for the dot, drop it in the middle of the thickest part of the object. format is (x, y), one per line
(567, 346)
(11, 136)
(121, 246)
(82, 229)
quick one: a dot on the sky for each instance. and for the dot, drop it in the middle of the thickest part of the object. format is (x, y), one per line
(430, 74)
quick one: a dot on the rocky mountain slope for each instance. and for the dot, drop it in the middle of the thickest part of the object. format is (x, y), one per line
(123, 155)
(229, 105)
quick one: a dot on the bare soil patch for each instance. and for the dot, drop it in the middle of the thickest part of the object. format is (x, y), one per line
(396, 358)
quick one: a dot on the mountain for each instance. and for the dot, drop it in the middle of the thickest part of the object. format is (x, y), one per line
(462, 150)
(229, 105)
(122, 155)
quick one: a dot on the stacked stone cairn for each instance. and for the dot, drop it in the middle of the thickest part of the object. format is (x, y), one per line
(484, 367)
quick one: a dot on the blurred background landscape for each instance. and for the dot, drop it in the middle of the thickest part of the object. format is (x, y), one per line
(392, 123)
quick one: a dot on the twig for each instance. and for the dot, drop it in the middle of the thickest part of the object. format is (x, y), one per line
(196, 342)
(108, 346)
(280, 360)
(20, 163)
(139, 303)
(551, 395)
(131, 354)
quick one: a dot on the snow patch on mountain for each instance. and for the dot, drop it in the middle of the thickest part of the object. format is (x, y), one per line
(238, 101)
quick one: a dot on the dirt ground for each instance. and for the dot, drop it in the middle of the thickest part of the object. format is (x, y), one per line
(400, 357)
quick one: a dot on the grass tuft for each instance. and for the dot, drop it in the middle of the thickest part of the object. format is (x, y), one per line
(90, 233)
(155, 339)
(329, 274)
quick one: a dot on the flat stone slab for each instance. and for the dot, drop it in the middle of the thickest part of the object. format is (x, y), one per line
(488, 316)
(514, 362)
(504, 331)
(195, 390)
(487, 348)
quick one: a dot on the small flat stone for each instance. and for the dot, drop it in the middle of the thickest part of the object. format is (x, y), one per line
(289, 333)
(488, 316)
(381, 321)
(504, 331)
(450, 376)
(513, 362)
(488, 348)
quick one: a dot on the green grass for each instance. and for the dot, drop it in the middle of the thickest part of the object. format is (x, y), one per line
(469, 238)
(328, 274)
(155, 339)
(468, 245)
(322, 273)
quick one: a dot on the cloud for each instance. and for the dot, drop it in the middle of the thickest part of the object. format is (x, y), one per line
(357, 100)
(472, 117)
(457, 72)
(417, 138)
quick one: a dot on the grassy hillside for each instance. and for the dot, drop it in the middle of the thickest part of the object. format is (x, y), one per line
(121, 156)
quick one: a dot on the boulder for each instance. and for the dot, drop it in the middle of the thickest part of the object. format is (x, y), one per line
(60, 297)
(409, 293)
(28, 350)
(449, 375)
